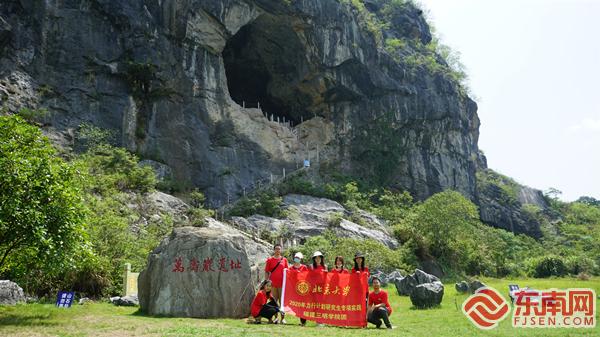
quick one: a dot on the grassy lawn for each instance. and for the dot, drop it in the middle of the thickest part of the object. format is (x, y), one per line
(103, 319)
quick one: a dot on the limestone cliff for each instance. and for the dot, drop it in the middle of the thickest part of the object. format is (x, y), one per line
(230, 92)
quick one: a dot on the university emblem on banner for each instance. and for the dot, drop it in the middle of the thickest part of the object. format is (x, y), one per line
(302, 288)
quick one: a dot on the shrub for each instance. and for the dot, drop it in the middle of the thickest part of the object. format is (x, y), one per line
(335, 219)
(580, 264)
(89, 137)
(34, 115)
(197, 212)
(113, 167)
(583, 276)
(299, 185)
(266, 203)
(508, 188)
(394, 206)
(548, 266)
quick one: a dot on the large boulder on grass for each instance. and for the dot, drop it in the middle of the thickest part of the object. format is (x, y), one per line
(405, 285)
(10, 293)
(393, 276)
(198, 272)
(427, 295)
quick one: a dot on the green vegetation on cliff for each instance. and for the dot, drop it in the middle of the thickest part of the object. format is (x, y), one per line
(446, 228)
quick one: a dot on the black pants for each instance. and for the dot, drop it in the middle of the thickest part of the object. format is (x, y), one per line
(269, 310)
(377, 315)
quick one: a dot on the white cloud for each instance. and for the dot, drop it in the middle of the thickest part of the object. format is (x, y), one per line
(587, 124)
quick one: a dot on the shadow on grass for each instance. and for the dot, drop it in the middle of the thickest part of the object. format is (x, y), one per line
(140, 313)
(26, 320)
(439, 306)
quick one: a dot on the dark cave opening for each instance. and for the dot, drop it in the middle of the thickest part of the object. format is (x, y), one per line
(265, 63)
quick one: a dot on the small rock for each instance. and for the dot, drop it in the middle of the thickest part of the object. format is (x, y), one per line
(84, 300)
(127, 301)
(10, 293)
(115, 300)
(31, 299)
(474, 285)
(381, 276)
(461, 287)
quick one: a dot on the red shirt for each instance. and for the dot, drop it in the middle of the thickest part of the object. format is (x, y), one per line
(364, 271)
(343, 271)
(301, 268)
(319, 268)
(381, 297)
(259, 300)
(276, 276)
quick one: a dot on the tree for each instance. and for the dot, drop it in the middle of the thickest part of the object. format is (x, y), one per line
(448, 221)
(41, 212)
(591, 201)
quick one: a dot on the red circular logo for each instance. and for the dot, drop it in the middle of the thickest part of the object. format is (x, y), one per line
(486, 308)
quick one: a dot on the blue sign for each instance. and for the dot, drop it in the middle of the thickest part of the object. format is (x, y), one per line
(65, 299)
(306, 163)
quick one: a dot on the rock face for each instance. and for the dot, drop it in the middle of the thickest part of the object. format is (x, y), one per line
(198, 272)
(228, 93)
(427, 295)
(504, 203)
(312, 216)
(180, 82)
(10, 293)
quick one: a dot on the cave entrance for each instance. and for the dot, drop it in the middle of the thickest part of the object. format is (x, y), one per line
(265, 63)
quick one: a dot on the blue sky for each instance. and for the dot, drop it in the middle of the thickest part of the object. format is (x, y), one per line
(534, 67)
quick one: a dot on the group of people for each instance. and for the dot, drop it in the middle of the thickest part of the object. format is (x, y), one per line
(267, 301)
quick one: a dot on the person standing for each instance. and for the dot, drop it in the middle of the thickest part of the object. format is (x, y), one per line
(338, 266)
(359, 267)
(297, 266)
(318, 262)
(359, 264)
(274, 272)
(379, 307)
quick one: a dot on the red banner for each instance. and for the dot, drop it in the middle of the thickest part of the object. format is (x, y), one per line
(329, 298)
